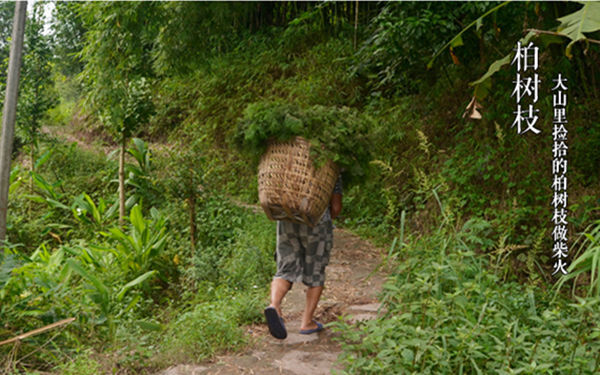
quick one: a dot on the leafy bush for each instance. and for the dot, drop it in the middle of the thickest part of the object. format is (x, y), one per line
(235, 248)
(46, 285)
(139, 175)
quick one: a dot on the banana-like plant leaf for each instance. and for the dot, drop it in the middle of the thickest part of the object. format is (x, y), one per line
(585, 20)
(483, 85)
(101, 289)
(498, 64)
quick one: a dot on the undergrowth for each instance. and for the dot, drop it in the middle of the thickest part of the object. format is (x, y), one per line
(447, 310)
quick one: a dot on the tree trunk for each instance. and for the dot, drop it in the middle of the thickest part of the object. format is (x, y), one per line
(10, 109)
(355, 23)
(122, 182)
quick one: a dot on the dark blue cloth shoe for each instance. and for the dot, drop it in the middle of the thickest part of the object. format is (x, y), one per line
(309, 331)
(275, 323)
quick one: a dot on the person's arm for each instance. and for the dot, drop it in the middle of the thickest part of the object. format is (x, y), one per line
(336, 205)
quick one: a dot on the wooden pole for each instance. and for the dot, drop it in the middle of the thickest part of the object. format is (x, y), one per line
(10, 109)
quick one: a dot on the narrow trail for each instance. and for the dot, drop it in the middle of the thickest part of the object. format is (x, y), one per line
(86, 140)
(351, 289)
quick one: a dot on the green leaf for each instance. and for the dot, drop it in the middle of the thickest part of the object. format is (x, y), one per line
(100, 287)
(484, 84)
(57, 204)
(35, 198)
(130, 201)
(456, 42)
(111, 211)
(137, 219)
(482, 89)
(133, 283)
(498, 64)
(43, 159)
(547, 39)
(495, 67)
(95, 212)
(14, 180)
(585, 20)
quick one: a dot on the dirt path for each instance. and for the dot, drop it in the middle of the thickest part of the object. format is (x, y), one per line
(351, 288)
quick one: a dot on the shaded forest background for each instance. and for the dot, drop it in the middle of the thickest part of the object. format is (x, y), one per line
(454, 200)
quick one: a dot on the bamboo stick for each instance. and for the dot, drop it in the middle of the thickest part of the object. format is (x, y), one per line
(37, 331)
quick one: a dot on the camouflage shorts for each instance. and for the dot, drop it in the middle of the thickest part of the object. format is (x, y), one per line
(303, 252)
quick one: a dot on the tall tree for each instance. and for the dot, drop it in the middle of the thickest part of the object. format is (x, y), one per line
(117, 68)
(36, 94)
(68, 32)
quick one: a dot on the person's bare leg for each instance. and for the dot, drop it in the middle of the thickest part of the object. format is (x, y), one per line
(279, 288)
(312, 299)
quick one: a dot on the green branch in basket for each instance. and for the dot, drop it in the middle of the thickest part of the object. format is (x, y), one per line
(336, 133)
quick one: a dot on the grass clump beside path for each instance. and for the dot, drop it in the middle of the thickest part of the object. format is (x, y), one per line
(448, 312)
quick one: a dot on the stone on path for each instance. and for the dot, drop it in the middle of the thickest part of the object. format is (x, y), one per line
(355, 318)
(371, 307)
(363, 312)
(307, 363)
(296, 338)
(184, 370)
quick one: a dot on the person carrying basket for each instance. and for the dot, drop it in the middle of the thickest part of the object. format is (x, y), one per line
(302, 254)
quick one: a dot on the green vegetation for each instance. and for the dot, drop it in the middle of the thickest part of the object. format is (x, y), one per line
(117, 281)
(158, 265)
(448, 311)
(337, 134)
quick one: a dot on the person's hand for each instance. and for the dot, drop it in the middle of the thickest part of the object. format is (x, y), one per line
(335, 206)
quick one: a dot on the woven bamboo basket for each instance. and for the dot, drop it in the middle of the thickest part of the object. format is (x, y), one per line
(290, 187)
